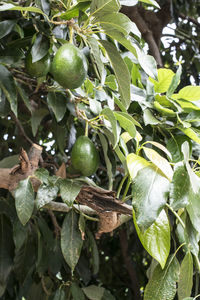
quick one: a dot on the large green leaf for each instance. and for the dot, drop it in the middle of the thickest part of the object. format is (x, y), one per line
(121, 71)
(94, 292)
(190, 133)
(135, 163)
(24, 200)
(10, 6)
(6, 27)
(7, 85)
(180, 187)
(99, 8)
(162, 285)
(149, 195)
(127, 122)
(190, 93)
(156, 239)
(164, 80)
(36, 119)
(147, 62)
(58, 103)
(159, 161)
(69, 190)
(46, 193)
(77, 292)
(174, 147)
(186, 277)
(71, 241)
(6, 251)
(118, 21)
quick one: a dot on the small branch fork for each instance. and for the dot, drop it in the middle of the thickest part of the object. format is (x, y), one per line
(91, 200)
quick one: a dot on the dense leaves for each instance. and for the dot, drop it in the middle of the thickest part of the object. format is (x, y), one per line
(144, 123)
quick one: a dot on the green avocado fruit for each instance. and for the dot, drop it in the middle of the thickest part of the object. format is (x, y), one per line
(69, 66)
(84, 156)
(39, 68)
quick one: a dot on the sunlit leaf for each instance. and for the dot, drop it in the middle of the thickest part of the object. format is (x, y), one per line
(156, 239)
(24, 200)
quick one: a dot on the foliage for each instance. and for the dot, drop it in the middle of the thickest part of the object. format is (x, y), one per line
(144, 123)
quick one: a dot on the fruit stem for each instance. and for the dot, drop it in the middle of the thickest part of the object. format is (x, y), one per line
(86, 128)
(126, 189)
(121, 184)
(71, 34)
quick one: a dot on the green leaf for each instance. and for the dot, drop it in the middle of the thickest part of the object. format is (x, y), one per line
(69, 190)
(193, 209)
(152, 2)
(192, 236)
(10, 161)
(60, 294)
(175, 81)
(159, 162)
(45, 194)
(42, 174)
(7, 85)
(36, 119)
(156, 239)
(24, 96)
(96, 55)
(39, 48)
(5, 7)
(135, 163)
(94, 252)
(104, 144)
(160, 146)
(24, 200)
(118, 21)
(77, 292)
(149, 195)
(71, 241)
(6, 251)
(185, 282)
(126, 122)
(101, 7)
(108, 113)
(74, 11)
(179, 187)
(190, 93)
(111, 82)
(174, 147)
(6, 27)
(162, 285)
(164, 80)
(94, 292)
(121, 71)
(58, 103)
(147, 62)
(149, 118)
(190, 133)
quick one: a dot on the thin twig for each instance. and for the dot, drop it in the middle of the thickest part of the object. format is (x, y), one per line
(19, 125)
(57, 228)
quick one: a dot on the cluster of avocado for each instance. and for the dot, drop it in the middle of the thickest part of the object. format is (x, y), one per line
(69, 68)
